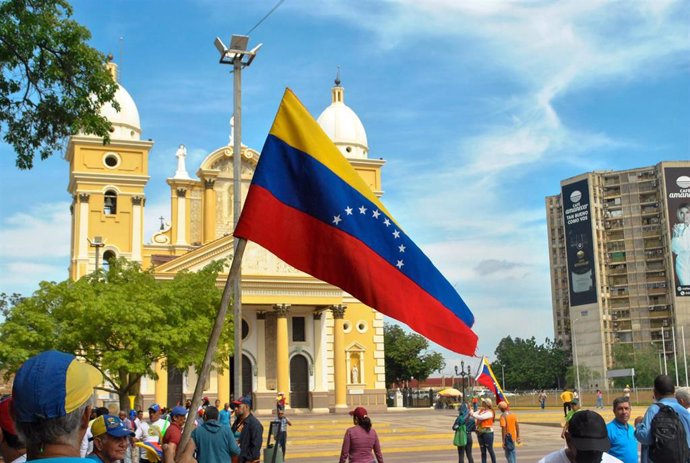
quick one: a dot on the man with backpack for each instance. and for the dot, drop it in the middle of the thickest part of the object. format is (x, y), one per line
(664, 432)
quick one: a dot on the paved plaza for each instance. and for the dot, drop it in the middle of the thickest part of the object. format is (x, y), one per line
(420, 435)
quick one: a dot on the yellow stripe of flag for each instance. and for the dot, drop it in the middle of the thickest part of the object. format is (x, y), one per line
(296, 127)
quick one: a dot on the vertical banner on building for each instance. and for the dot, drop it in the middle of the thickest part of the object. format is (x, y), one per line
(678, 207)
(577, 219)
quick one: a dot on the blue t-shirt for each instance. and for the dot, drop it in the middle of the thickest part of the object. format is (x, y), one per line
(623, 442)
(224, 417)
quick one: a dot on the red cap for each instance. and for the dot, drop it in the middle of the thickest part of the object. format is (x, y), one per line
(6, 422)
(359, 412)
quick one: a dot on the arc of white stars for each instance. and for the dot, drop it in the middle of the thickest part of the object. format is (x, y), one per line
(400, 264)
(401, 248)
(348, 210)
(362, 210)
(387, 222)
(337, 219)
(396, 234)
(375, 214)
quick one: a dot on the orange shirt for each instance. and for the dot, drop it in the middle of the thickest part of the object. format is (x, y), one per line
(509, 424)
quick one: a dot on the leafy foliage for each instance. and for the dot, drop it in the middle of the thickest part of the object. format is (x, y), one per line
(406, 355)
(645, 361)
(528, 365)
(121, 321)
(52, 83)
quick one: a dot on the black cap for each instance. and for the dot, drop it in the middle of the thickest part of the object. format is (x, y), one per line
(587, 431)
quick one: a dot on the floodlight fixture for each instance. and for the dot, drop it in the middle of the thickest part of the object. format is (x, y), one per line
(237, 51)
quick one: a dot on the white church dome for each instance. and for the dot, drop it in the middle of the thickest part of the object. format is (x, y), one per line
(343, 126)
(126, 125)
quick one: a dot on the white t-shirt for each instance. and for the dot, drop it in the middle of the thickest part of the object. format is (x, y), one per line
(559, 456)
(149, 432)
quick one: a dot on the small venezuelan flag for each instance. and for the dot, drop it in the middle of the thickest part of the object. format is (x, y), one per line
(308, 206)
(487, 378)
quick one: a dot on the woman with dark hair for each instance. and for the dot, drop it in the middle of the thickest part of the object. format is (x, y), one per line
(360, 440)
(465, 419)
(680, 244)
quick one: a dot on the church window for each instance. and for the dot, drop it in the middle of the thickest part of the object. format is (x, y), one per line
(362, 326)
(298, 332)
(111, 160)
(245, 329)
(347, 326)
(110, 203)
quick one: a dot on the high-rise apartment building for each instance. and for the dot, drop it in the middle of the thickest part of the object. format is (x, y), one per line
(619, 250)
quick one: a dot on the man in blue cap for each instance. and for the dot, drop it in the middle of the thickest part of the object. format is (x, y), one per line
(251, 435)
(52, 405)
(173, 435)
(110, 439)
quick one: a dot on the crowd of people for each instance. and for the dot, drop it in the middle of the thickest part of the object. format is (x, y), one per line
(661, 435)
(51, 416)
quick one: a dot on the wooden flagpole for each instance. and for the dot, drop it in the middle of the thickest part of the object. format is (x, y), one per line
(205, 372)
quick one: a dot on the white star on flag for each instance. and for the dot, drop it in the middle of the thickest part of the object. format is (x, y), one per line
(387, 222)
(348, 210)
(400, 264)
(362, 210)
(376, 214)
(401, 248)
(396, 233)
(337, 219)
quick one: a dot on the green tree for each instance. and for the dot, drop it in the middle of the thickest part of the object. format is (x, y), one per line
(528, 365)
(644, 359)
(52, 83)
(407, 357)
(121, 321)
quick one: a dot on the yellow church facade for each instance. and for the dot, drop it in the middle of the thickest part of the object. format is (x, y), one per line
(334, 354)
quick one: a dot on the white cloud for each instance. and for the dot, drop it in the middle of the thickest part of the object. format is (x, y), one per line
(39, 233)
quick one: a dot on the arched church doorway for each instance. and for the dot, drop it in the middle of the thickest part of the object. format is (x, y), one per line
(246, 377)
(299, 382)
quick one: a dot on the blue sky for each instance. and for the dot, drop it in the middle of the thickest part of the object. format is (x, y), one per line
(479, 108)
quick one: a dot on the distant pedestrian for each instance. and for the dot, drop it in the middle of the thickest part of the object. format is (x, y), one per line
(510, 432)
(644, 432)
(626, 391)
(566, 398)
(462, 420)
(360, 440)
(224, 415)
(475, 403)
(586, 441)
(280, 402)
(282, 432)
(211, 442)
(600, 399)
(542, 399)
(485, 417)
(621, 433)
(574, 408)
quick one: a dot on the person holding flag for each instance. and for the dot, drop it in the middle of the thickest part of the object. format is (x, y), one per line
(485, 417)
(487, 378)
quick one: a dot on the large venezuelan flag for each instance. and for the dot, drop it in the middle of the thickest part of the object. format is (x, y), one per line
(487, 378)
(308, 206)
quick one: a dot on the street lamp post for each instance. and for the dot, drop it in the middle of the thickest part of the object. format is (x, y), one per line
(462, 374)
(239, 57)
(577, 365)
(97, 243)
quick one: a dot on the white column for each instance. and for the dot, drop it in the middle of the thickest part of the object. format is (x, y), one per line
(320, 373)
(181, 217)
(83, 227)
(137, 231)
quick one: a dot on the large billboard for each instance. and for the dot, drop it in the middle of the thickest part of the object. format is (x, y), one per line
(577, 218)
(678, 207)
